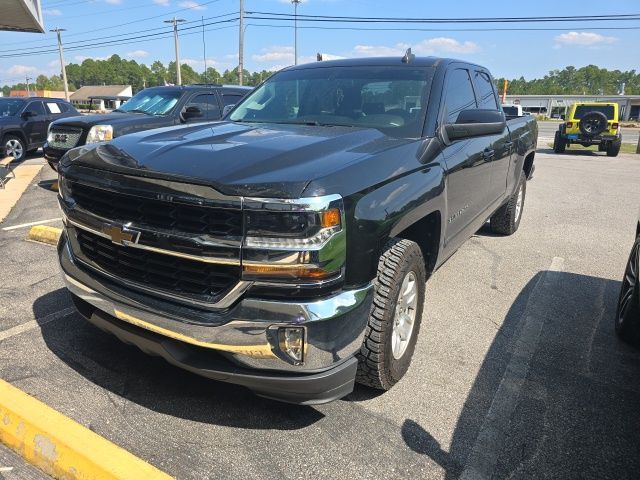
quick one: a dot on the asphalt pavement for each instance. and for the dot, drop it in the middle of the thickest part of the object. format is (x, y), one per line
(546, 131)
(517, 372)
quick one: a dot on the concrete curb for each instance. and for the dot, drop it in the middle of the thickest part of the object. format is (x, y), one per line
(44, 234)
(62, 447)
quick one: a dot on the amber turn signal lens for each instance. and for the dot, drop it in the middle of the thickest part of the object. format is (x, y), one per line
(284, 272)
(330, 218)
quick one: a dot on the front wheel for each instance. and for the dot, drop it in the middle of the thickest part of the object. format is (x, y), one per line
(14, 147)
(559, 143)
(394, 320)
(628, 311)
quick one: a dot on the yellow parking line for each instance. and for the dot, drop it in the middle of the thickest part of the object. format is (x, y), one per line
(44, 234)
(62, 447)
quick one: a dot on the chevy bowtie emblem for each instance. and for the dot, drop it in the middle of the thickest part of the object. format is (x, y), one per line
(121, 235)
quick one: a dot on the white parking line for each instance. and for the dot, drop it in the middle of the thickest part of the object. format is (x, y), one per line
(31, 224)
(490, 441)
(25, 327)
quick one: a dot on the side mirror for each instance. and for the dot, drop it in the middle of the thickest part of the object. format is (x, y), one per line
(227, 109)
(29, 114)
(476, 123)
(191, 112)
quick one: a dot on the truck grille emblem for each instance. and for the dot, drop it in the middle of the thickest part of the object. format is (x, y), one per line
(121, 235)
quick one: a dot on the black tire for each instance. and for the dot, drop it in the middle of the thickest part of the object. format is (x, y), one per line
(378, 367)
(14, 146)
(628, 311)
(559, 144)
(507, 219)
(613, 149)
(603, 146)
(593, 123)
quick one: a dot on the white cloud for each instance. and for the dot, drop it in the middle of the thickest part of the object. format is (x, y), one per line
(82, 58)
(21, 69)
(54, 64)
(113, 2)
(52, 12)
(138, 54)
(198, 64)
(275, 53)
(192, 5)
(163, 3)
(425, 47)
(584, 39)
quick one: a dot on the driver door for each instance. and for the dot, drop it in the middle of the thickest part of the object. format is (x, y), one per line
(35, 127)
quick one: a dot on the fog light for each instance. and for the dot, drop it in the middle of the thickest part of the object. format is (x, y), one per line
(292, 343)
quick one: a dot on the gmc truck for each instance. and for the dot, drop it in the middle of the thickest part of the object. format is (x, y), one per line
(286, 248)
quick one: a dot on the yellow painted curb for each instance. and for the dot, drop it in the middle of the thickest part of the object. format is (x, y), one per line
(44, 234)
(62, 447)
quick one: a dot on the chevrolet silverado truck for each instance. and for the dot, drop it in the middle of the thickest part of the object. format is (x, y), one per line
(590, 124)
(286, 248)
(150, 108)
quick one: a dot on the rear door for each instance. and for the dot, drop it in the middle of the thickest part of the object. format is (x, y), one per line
(35, 127)
(467, 160)
(499, 145)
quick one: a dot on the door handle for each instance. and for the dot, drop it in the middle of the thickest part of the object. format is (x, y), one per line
(488, 154)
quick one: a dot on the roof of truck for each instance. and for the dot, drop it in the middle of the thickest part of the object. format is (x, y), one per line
(379, 61)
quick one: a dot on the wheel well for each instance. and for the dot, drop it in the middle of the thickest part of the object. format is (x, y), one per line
(528, 164)
(426, 233)
(16, 133)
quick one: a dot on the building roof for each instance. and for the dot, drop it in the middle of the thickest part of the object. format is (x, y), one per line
(21, 16)
(86, 92)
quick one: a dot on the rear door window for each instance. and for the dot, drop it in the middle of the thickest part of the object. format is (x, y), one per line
(459, 94)
(53, 108)
(485, 92)
(582, 110)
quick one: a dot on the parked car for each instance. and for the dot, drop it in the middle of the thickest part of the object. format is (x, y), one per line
(513, 110)
(24, 122)
(628, 311)
(150, 108)
(590, 124)
(286, 248)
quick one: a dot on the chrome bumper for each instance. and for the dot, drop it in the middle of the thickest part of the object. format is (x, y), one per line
(247, 332)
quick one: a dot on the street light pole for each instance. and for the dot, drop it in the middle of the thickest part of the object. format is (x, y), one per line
(295, 30)
(241, 45)
(175, 22)
(62, 66)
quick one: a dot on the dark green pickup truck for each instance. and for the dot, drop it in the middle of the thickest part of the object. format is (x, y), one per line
(286, 248)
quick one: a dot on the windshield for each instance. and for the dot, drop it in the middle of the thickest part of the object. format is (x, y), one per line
(153, 101)
(582, 110)
(10, 107)
(391, 99)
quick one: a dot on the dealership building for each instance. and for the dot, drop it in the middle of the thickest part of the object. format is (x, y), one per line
(558, 104)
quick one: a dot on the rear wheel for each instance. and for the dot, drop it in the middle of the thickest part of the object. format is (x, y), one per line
(507, 219)
(613, 149)
(628, 311)
(394, 321)
(559, 143)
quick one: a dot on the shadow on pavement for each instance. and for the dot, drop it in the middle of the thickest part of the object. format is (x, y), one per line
(574, 412)
(154, 384)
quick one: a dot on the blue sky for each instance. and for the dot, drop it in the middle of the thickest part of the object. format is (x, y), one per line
(507, 53)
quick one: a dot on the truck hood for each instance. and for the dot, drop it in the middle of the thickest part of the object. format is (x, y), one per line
(267, 160)
(119, 119)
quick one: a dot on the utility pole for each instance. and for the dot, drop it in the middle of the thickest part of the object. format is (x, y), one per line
(295, 30)
(27, 79)
(241, 45)
(174, 21)
(62, 66)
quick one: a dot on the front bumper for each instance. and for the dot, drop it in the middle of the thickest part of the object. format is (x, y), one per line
(244, 348)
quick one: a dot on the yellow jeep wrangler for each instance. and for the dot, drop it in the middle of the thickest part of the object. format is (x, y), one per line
(590, 124)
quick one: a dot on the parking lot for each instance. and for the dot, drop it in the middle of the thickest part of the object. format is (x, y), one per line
(517, 371)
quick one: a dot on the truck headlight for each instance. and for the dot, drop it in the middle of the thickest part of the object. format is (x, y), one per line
(299, 241)
(100, 133)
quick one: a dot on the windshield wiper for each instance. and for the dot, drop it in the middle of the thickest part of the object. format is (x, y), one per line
(136, 110)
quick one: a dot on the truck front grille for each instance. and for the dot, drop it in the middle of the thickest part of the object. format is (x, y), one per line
(169, 274)
(162, 214)
(64, 138)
